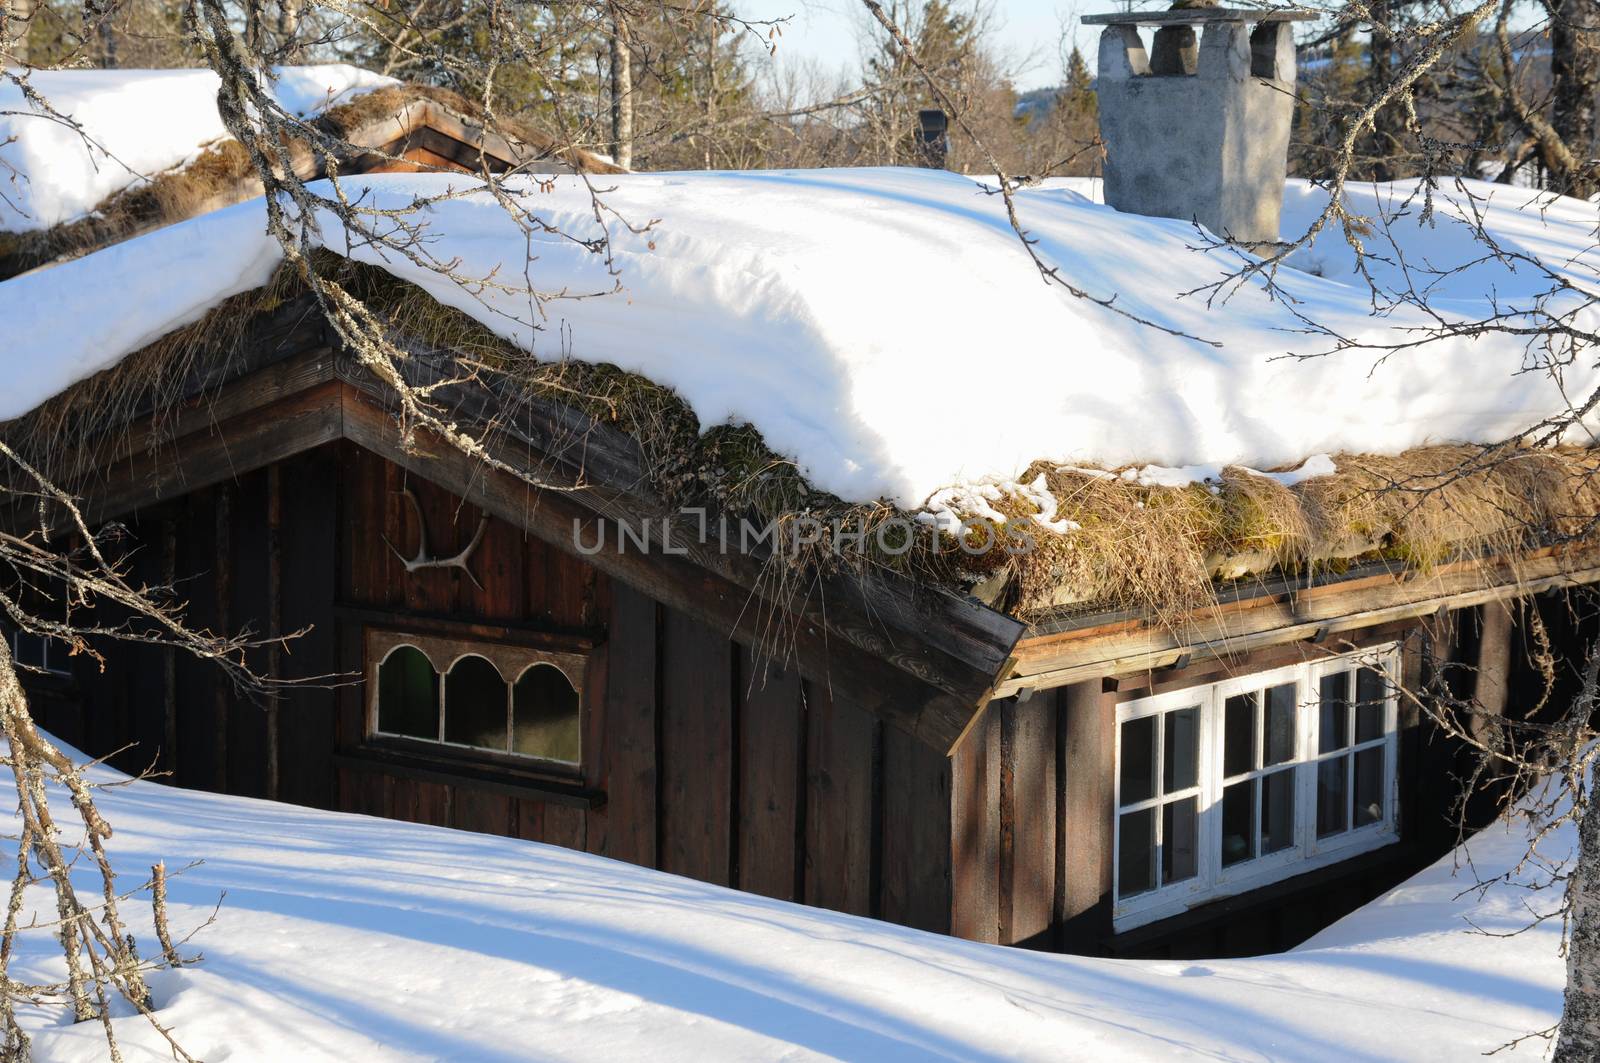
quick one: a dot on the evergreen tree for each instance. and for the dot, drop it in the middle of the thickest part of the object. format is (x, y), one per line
(1077, 99)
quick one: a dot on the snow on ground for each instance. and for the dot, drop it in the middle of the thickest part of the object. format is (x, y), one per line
(137, 123)
(885, 328)
(343, 937)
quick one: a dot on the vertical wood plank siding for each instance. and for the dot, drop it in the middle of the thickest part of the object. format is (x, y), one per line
(713, 761)
(839, 854)
(1088, 759)
(975, 830)
(772, 777)
(696, 750)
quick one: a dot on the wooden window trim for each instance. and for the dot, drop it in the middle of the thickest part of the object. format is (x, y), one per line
(1309, 852)
(1138, 685)
(437, 625)
(425, 763)
(510, 659)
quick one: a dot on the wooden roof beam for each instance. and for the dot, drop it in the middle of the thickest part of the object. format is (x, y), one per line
(1276, 619)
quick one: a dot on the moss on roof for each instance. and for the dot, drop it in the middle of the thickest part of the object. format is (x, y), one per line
(1163, 550)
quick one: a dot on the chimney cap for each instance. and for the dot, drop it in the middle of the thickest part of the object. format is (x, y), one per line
(1198, 16)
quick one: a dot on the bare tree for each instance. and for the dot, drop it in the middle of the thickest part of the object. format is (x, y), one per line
(1556, 738)
(64, 582)
(16, 16)
(621, 91)
(1575, 76)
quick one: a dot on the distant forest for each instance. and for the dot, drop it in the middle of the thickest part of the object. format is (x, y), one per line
(676, 87)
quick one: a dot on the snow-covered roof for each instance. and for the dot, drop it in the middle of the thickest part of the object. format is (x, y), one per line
(344, 937)
(131, 124)
(885, 328)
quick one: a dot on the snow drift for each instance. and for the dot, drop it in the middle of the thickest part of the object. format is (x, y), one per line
(886, 329)
(343, 937)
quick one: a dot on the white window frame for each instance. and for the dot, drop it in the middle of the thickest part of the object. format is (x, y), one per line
(1213, 881)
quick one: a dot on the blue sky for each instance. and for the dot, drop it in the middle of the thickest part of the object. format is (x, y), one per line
(824, 32)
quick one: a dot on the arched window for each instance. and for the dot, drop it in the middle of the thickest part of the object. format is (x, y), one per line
(408, 694)
(504, 698)
(545, 720)
(475, 704)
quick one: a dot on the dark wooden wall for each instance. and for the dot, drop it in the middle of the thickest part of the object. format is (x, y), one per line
(702, 758)
(1034, 800)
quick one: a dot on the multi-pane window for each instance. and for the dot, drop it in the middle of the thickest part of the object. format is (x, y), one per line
(40, 653)
(1221, 788)
(1259, 730)
(1160, 799)
(480, 696)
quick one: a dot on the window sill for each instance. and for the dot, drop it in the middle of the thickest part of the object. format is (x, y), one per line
(1236, 905)
(51, 682)
(478, 775)
(1140, 911)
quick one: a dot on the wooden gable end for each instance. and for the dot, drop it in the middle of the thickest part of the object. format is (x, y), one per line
(702, 758)
(918, 658)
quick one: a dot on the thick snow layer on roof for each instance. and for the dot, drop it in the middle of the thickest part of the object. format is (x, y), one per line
(131, 125)
(886, 329)
(1441, 257)
(342, 937)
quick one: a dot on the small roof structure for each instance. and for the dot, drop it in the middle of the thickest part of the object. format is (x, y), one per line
(150, 150)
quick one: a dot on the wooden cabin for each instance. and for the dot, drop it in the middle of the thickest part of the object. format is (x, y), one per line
(910, 754)
(480, 653)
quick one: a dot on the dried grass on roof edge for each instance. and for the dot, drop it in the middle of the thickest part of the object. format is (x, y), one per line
(1157, 549)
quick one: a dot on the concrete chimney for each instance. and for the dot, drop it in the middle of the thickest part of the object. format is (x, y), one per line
(1198, 129)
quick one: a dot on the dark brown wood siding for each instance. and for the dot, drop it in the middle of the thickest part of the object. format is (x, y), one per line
(1033, 798)
(703, 757)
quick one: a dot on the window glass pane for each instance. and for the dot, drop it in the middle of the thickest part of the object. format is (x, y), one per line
(1238, 832)
(545, 715)
(1371, 690)
(1138, 759)
(1239, 735)
(1180, 839)
(1331, 796)
(28, 649)
(1280, 725)
(1277, 811)
(1180, 768)
(1332, 727)
(1136, 845)
(1369, 786)
(408, 694)
(475, 704)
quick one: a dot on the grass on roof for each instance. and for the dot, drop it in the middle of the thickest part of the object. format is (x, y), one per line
(1162, 550)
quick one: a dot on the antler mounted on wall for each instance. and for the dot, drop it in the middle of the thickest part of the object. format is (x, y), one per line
(423, 560)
